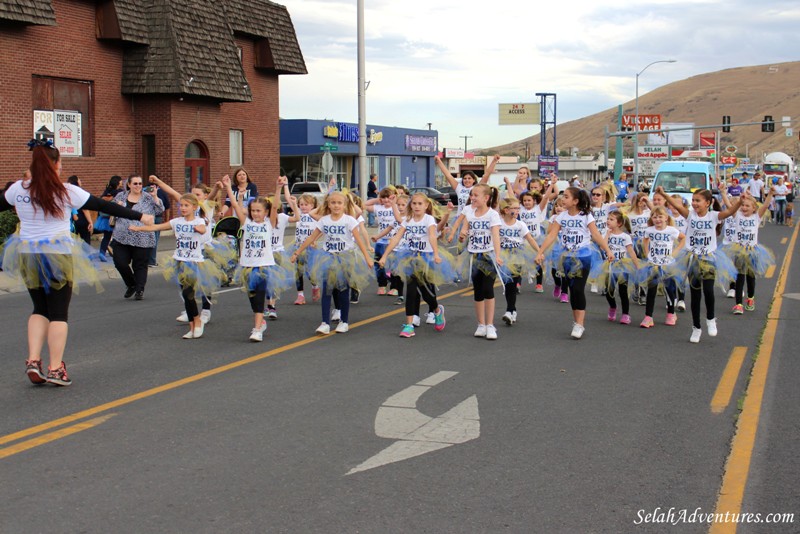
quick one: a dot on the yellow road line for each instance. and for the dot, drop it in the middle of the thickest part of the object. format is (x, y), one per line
(770, 271)
(784, 240)
(724, 391)
(52, 436)
(188, 380)
(731, 494)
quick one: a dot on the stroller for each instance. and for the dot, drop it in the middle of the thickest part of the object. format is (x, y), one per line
(228, 229)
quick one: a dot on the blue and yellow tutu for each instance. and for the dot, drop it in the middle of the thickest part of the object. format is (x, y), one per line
(622, 271)
(716, 266)
(204, 276)
(275, 278)
(406, 263)
(338, 271)
(221, 251)
(517, 262)
(571, 263)
(52, 263)
(658, 275)
(751, 261)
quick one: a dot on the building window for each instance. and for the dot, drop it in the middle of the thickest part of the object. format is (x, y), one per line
(63, 110)
(373, 167)
(392, 170)
(148, 154)
(236, 138)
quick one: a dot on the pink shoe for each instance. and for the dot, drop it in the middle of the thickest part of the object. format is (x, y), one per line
(300, 300)
(564, 298)
(626, 319)
(382, 290)
(557, 292)
(315, 293)
(612, 314)
(647, 322)
(671, 319)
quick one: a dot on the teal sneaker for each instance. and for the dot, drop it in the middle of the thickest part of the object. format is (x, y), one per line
(438, 318)
(407, 331)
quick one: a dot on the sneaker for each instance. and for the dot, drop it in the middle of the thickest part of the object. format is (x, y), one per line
(415, 321)
(316, 293)
(324, 329)
(538, 289)
(33, 368)
(564, 298)
(577, 331)
(188, 335)
(695, 337)
(256, 335)
(182, 318)
(139, 295)
(556, 292)
(626, 319)
(354, 294)
(530, 279)
(400, 300)
(671, 319)
(481, 331)
(58, 376)
(593, 288)
(508, 318)
(750, 304)
(103, 258)
(381, 290)
(711, 326)
(393, 293)
(430, 318)
(635, 299)
(438, 319)
(647, 322)
(491, 332)
(738, 309)
(263, 327)
(336, 316)
(197, 333)
(300, 300)
(342, 328)
(205, 316)
(129, 292)
(612, 314)
(519, 289)
(731, 293)
(407, 331)
(681, 306)
(152, 264)
(272, 314)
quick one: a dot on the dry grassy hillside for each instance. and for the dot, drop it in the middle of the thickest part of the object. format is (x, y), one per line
(745, 93)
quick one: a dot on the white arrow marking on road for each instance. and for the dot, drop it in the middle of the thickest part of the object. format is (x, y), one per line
(417, 434)
(795, 296)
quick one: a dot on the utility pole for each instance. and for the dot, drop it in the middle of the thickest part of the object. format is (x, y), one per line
(465, 137)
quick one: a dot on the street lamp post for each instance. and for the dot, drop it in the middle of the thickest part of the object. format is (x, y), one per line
(636, 125)
(747, 149)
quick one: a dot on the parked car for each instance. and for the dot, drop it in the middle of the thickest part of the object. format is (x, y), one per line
(433, 194)
(318, 190)
(447, 190)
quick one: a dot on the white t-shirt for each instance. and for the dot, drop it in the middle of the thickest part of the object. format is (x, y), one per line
(780, 192)
(513, 236)
(188, 243)
(280, 230)
(680, 221)
(463, 196)
(756, 186)
(701, 233)
(480, 229)
(304, 228)
(385, 218)
(639, 223)
(619, 243)
(746, 229)
(601, 218)
(256, 245)
(34, 224)
(659, 251)
(728, 231)
(416, 233)
(574, 233)
(533, 218)
(338, 234)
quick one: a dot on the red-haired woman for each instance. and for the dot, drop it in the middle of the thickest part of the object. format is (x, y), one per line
(46, 256)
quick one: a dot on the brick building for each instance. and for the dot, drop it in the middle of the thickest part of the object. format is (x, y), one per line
(186, 89)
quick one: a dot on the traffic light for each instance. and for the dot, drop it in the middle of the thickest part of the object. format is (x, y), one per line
(726, 123)
(768, 125)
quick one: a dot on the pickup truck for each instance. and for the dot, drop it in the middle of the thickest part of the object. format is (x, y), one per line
(318, 190)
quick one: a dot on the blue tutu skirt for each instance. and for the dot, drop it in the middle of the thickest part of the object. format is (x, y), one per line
(51, 264)
(694, 268)
(517, 262)
(750, 261)
(407, 264)
(221, 251)
(274, 279)
(658, 275)
(102, 223)
(204, 276)
(338, 271)
(572, 263)
(617, 273)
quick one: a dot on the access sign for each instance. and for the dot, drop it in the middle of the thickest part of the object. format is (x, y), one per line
(519, 113)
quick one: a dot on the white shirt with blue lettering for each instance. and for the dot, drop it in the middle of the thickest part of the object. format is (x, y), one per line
(746, 229)
(386, 219)
(34, 224)
(304, 228)
(188, 243)
(479, 238)
(463, 197)
(639, 223)
(416, 233)
(280, 230)
(256, 245)
(701, 232)
(728, 231)
(338, 234)
(533, 218)
(619, 243)
(513, 235)
(601, 217)
(661, 244)
(574, 233)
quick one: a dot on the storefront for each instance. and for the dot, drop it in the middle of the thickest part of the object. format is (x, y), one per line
(396, 155)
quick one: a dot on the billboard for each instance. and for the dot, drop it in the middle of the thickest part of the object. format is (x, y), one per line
(646, 122)
(519, 113)
(679, 137)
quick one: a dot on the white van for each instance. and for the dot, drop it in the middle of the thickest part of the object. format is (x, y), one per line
(684, 178)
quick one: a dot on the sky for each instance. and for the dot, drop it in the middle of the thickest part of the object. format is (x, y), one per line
(451, 62)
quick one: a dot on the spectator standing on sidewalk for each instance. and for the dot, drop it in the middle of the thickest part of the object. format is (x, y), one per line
(372, 192)
(103, 222)
(164, 197)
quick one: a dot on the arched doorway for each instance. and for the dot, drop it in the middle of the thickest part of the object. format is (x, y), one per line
(196, 164)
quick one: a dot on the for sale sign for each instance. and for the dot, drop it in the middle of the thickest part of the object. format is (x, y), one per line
(43, 124)
(68, 132)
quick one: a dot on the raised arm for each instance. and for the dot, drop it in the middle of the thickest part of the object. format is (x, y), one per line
(167, 189)
(237, 208)
(446, 172)
(765, 205)
(490, 169)
(732, 208)
(674, 203)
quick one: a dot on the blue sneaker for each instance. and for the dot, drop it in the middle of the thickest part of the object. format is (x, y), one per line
(407, 331)
(438, 317)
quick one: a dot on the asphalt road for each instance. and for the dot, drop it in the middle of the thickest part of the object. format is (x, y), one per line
(161, 434)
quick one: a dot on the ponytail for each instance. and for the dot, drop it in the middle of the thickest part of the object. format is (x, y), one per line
(584, 201)
(45, 187)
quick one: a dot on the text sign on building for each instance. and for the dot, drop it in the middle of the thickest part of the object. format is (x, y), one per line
(548, 165)
(655, 152)
(44, 125)
(646, 122)
(454, 153)
(421, 143)
(342, 132)
(527, 113)
(68, 132)
(682, 137)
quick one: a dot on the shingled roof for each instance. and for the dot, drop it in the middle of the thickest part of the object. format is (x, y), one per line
(271, 21)
(132, 21)
(28, 11)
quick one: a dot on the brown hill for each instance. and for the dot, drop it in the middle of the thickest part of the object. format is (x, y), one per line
(747, 94)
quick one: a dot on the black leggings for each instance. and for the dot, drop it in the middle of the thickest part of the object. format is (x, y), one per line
(52, 304)
(187, 292)
(560, 281)
(511, 293)
(622, 289)
(577, 291)
(126, 256)
(417, 290)
(482, 283)
(258, 299)
(395, 282)
(699, 289)
(652, 291)
(751, 286)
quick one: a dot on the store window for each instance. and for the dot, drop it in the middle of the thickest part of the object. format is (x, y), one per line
(63, 110)
(392, 170)
(236, 148)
